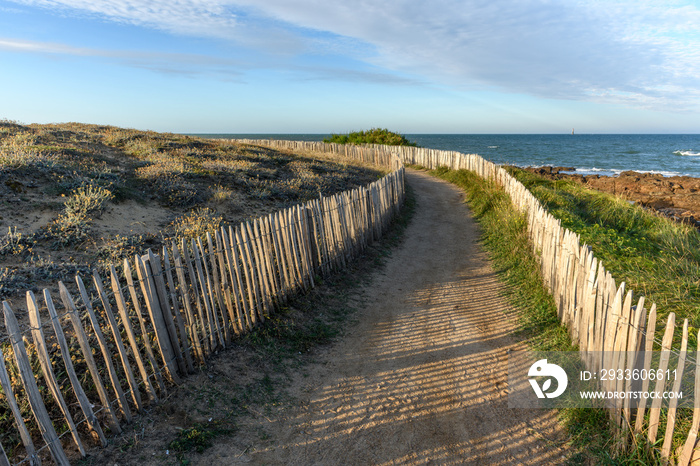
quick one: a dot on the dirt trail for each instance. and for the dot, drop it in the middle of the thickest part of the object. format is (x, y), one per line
(421, 378)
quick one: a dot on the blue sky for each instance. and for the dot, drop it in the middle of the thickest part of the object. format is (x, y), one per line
(321, 66)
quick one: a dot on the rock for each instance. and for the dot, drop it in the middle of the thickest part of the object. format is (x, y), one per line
(671, 196)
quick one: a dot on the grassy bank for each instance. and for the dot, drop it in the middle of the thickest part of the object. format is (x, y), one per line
(656, 257)
(504, 234)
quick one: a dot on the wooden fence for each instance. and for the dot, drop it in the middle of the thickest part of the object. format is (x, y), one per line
(601, 316)
(177, 308)
(121, 341)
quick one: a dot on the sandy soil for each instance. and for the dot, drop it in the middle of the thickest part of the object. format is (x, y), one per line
(422, 377)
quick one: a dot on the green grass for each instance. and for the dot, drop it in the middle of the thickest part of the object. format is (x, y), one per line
(504, 235)
(198, 438)
(372, 136)
(656, 257)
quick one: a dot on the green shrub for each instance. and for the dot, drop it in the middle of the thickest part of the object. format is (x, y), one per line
(74, 223)
(373, 136)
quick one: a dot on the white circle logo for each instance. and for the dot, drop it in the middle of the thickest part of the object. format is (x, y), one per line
(543, 369)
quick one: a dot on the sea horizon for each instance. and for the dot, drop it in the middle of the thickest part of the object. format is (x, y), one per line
(586, 154)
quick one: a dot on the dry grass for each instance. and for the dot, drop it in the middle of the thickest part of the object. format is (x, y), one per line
(76, 196)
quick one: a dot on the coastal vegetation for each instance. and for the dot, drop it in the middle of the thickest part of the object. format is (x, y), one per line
(656, 257)
(372, 136)
(76, 196)
(264, 357)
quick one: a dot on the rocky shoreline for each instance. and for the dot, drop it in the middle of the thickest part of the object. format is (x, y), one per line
(676, 197)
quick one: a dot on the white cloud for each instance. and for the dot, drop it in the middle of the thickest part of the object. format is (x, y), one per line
(197, 65)
(195, 17)
(645, 54)
(172, 63)
(638, 53)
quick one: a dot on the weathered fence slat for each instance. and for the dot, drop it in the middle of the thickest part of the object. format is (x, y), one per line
(238, 294)
(83, 401)
(691, 441)
(47, 369)
(36, 403)
(97, 330)
(16, 413)
(648, 347)
(195, 280)
(632, 351)
(205, 288)
(124, 315)
(251, 286)
(257, 270)
(214, 284)
(280, 256)
(267, 254)
(228, 312)
(186, 298)
(145, 338)
(112, 323)
(655, 410)
(271, 257)
(152, 263)
(673, 403)
(243, 279)
(86, 349)
(182, 341)
(3, 457)
(157, 320)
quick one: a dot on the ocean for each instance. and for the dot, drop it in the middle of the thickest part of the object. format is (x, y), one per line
(603, 154)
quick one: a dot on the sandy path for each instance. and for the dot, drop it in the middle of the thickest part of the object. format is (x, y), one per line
(421, 378)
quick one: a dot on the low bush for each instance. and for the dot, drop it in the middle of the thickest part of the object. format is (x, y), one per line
(372, 136)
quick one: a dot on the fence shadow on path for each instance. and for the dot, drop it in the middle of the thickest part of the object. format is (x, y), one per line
(425, 379)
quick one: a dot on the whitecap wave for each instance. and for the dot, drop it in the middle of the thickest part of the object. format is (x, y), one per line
(593, 171)
(661, 172)
(587, 171)
(616, 172)
(688, 153)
